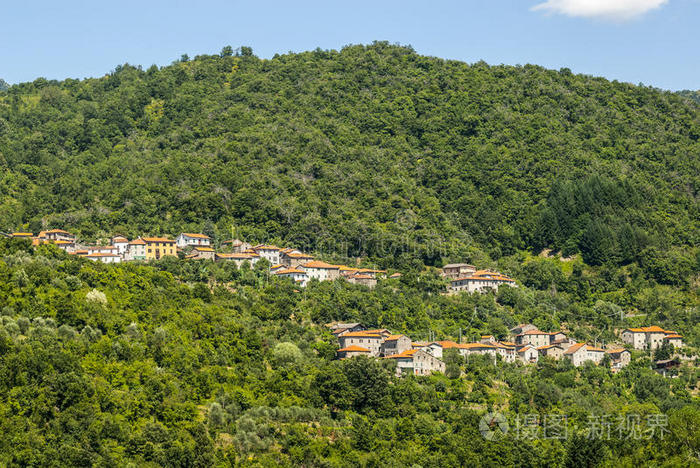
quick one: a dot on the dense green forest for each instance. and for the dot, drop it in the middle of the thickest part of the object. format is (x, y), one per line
(582, 189)
(183, 363)
(694, 95)
(371, 150)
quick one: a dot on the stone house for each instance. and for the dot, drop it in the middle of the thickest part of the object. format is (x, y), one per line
(395, 344)
(457, 270)
(417, 362)
(352, 351)
(650, 337)
(322, 271)
(480, 281)
(365, 339)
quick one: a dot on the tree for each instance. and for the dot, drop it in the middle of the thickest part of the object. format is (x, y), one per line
(226, 51)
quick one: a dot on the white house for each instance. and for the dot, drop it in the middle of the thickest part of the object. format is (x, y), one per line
(480, 281)
(104, 257)
(322, 271)
(187, 239)
(528, 354)
(270, 253)
(136, 250)
(121, 244)
(239, 258)
(295, 274)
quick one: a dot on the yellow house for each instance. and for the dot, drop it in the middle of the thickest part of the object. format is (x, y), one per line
(158, 247)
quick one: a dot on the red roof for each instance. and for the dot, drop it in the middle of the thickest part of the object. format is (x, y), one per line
(355, 348)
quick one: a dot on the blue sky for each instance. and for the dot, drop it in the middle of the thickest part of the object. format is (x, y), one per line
(655, 42)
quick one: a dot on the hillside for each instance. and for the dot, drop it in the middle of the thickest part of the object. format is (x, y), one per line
(371, 150)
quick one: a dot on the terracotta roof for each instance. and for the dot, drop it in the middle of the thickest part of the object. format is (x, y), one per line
(370, 270)
(289, 271)
(652, 329)
(355, 348)
(420, 344)
(57, 231)
(406, 354)
(507, 343)
(233, 242)
(195, 235)
(347, 268)
(361, 334)
(266, 247)
(138, 241)
(485, 275)
(573, 348)
(203, 249)
(395, 275)
(63, 242)
(455, 265)
(22, 234)
(157, 239)
(446, 344)
(393, 337)
(617, 351)
(362, 277)
(100, 254)
(299, 255)
(237, 256)
(320, 265)
(542, 348)
(673, 335)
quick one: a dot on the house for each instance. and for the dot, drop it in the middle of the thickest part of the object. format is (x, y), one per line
(352, 351)
(582, 352)
(555, 351)
(369, 339)
(321, 271)
(136, 250)
(674, 339)
(457, 270)
(121, 244)
(104, 257)
(619, 357)
(338, 328)
(363, 279)
(159, 247)
(187, 239)
(650, 337)
(56, 235)
(667, 367)
(437, 348)
(347, 271)
(270, 253)
(203, 253)
(395, 344)
(480, 281)
(416, 362)
(539, 338)
(238, 258)
(293, 259)
(106, 249)
(295, 274)
(506, 351)
(477, 348)
(527, 353)
(68, 246)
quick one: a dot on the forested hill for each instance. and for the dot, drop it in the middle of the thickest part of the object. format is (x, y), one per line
(374, 148)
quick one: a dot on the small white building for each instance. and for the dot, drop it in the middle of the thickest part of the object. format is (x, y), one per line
(136, 250)
(528, 354)
(121, 244)
(271, 253)
(104, 257)
(480, 281)
(298, 276)
(322, 271)
(187, 239)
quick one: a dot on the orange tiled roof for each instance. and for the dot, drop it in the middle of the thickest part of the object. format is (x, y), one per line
(617, 351)
(56, 231)
(320, 265)
(475, 346)
(485, 275)
(651, 329)
(22, 234)
(289, 271)
(573, 348)
(393, 337)
(237, 256)
(266, 247)
(203, 249)
(406, 354)
(673, 335)
(355, 348)
(362, 277)
(195, 235)
(362, 334)
(157, 239)
(101, 254)
(446, 344)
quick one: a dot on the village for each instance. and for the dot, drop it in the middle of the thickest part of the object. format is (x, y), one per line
(525, 344)
(289, 263)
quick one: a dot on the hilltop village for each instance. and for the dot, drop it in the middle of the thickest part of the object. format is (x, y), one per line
(525, 344)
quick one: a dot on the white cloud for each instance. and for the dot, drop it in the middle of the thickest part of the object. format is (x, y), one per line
(617, 10)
